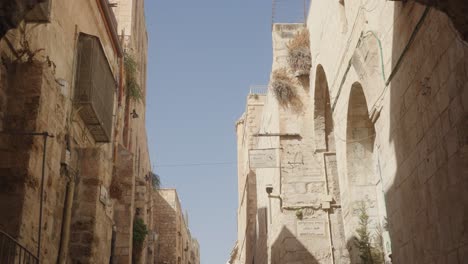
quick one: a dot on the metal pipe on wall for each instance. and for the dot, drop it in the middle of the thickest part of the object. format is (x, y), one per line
(46, 135)
(65, 234)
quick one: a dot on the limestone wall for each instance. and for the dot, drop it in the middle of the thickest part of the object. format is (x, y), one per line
(58, 38)
(414, 100)
(33, 103)
(382, 125)
(175, 244)
(47, 94)
(247, 128)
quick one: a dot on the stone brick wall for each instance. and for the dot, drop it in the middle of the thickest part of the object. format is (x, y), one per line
(122, 189)
(175, 244)
(92, 217)
(403, 109)
(165, 218)
(41, 100)
(33, 103)
(131, 131)
(383, 124)
(247, 127)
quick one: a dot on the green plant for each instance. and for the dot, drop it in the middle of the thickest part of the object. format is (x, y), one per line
(369, 252)
(300, 214)
(299, 57)
(131, 83)
(155, 180)
(139, 233)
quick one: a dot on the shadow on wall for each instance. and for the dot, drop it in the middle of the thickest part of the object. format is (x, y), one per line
(251, 237)
(353, 254)
(288, 249)
(261, 255)
(456, 10)
(427, 199)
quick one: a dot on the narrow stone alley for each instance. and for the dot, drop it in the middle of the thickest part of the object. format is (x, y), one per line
(117, 143)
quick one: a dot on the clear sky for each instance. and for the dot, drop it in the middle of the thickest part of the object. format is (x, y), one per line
(203, 56)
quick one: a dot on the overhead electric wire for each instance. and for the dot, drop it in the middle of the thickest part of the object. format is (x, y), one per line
(194, 164)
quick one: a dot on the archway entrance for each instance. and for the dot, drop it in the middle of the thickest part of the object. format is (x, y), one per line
(325, 147)
(364, 187)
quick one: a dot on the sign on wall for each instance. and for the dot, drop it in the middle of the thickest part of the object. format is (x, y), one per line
(103, 195)
(311, 228)
(262, 158)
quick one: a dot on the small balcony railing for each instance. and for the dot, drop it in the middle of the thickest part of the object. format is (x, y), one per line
(258, 89)
(12, 252)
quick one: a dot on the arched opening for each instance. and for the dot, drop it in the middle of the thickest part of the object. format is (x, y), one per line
(360, 137)
(325, 146)
(364, 190)
(323, 122)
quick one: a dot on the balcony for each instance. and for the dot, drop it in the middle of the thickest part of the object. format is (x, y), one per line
(95, 88)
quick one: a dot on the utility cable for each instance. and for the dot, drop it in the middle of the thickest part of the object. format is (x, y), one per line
(176, 165)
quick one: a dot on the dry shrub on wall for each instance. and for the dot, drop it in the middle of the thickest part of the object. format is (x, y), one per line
(299, 57)
(116, 188)
(284, 89)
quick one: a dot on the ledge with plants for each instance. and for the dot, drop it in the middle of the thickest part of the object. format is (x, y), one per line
(285, 90)
(132, 87)
(299, 56)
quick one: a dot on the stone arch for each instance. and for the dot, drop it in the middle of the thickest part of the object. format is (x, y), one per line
(325, 149)
(363, 180)
(360, 137)
(323, 121)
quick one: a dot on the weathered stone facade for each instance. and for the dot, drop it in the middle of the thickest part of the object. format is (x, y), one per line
(382, 123)
(93, 189)
(174, 244)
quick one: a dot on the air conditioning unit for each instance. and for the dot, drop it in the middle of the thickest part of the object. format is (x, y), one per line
(95, 88)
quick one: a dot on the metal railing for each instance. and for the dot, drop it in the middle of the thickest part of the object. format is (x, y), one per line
(289, 11)
(258, 89)
(12, 252)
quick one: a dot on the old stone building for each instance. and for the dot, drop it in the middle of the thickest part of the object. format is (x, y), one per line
(74, 164)
(371, 141)
(175, 244)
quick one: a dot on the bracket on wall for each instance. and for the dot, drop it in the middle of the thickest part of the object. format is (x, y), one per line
(295, 135)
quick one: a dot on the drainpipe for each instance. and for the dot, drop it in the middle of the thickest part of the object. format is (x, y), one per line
(65, 237)
(68, 204)
(41, 205)
(332, 247)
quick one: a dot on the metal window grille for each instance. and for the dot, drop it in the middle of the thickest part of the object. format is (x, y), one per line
(95, 88)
